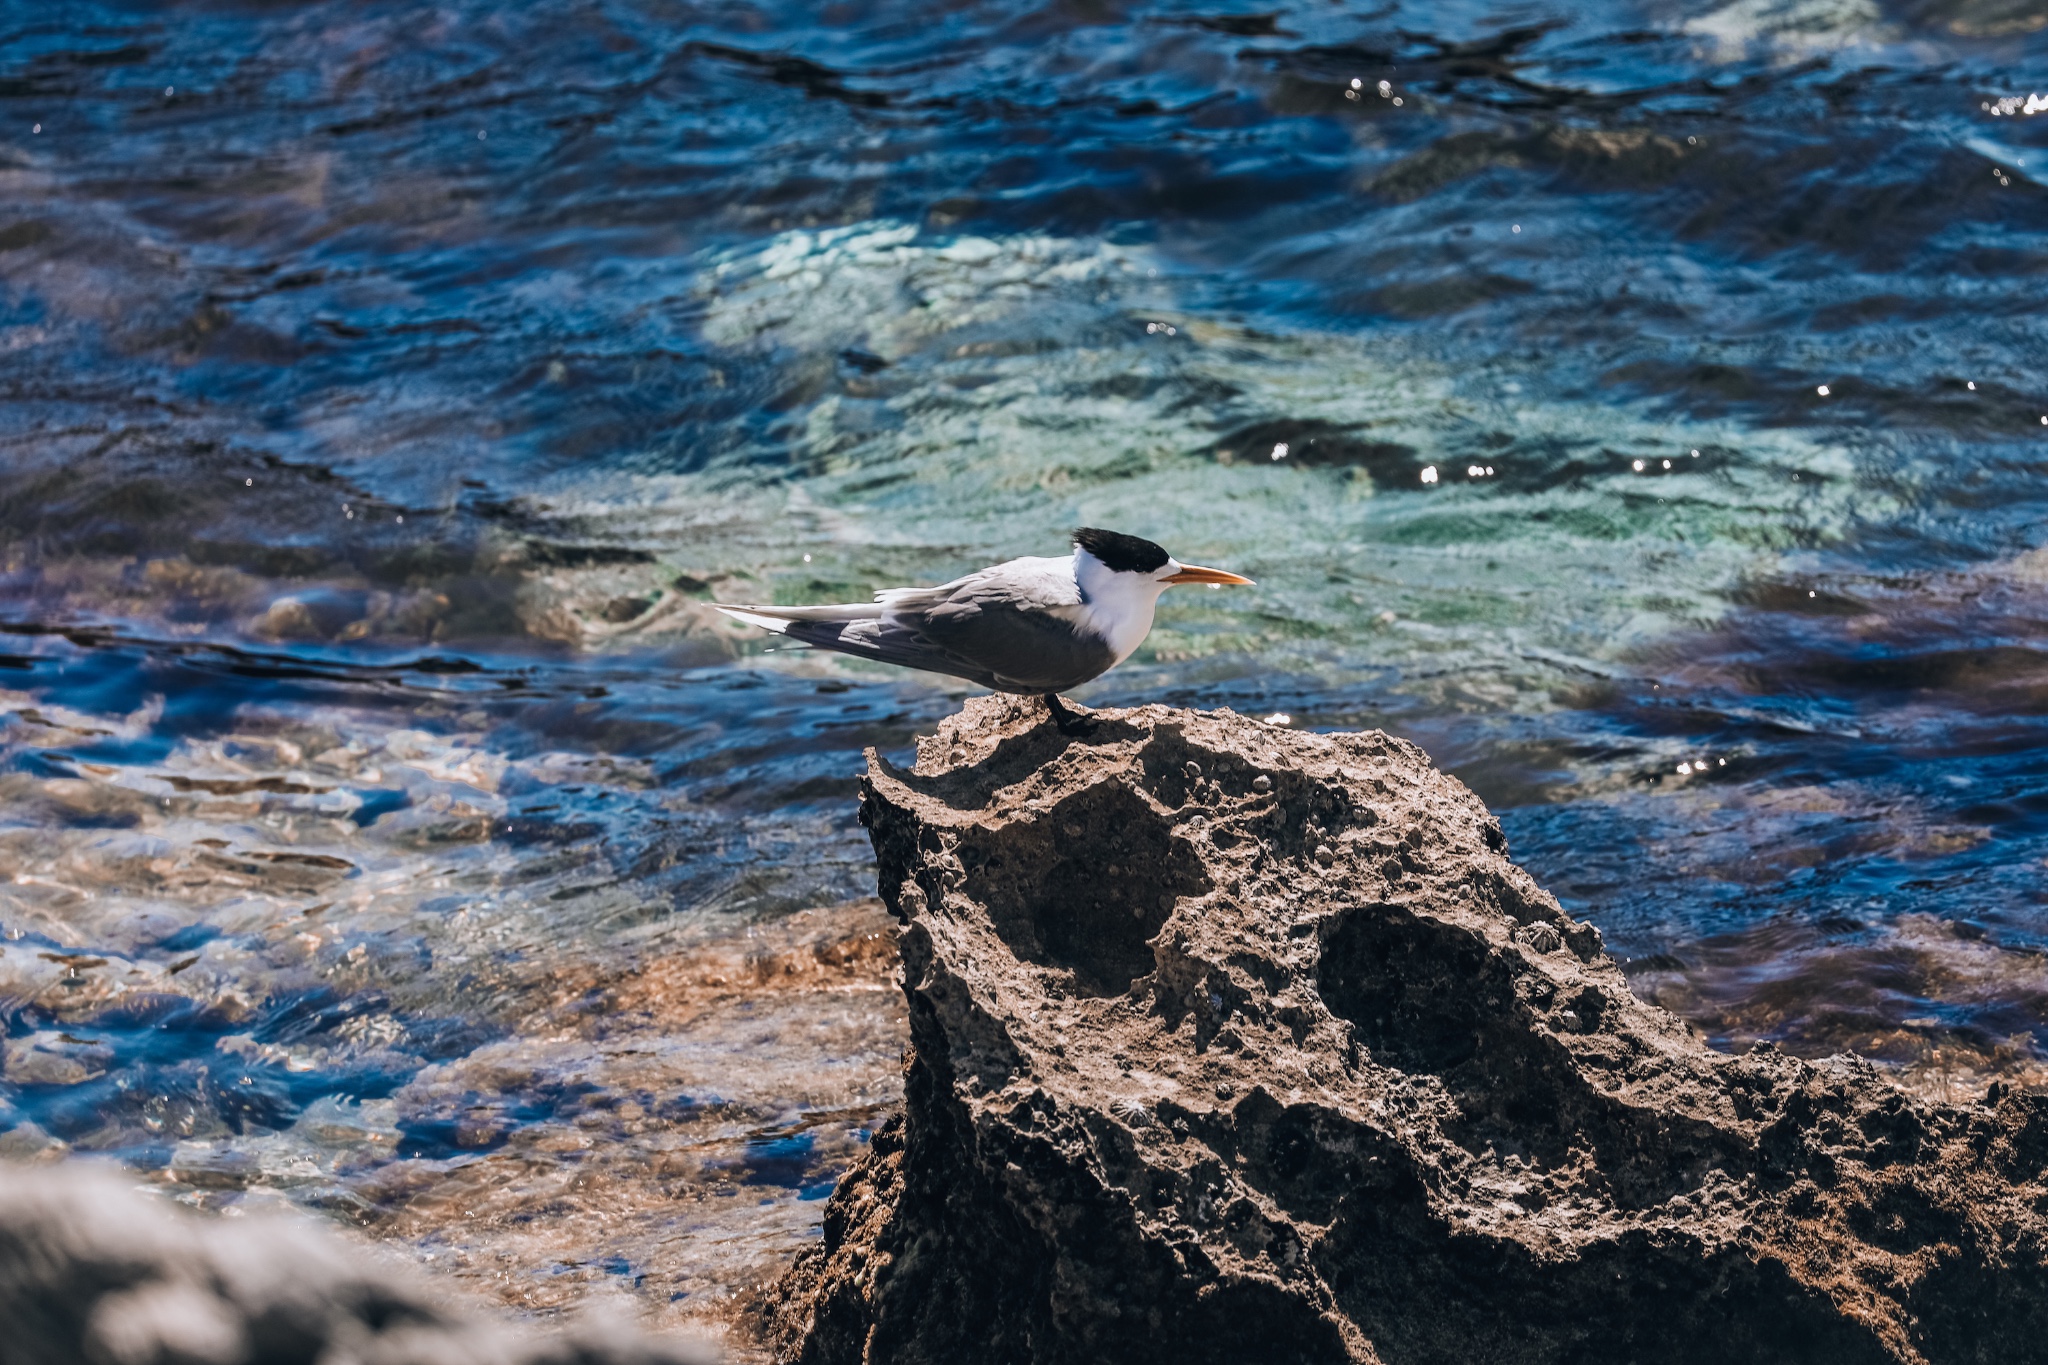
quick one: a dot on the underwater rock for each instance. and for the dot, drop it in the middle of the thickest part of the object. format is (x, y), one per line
(93, 1271)
(1236, 1043)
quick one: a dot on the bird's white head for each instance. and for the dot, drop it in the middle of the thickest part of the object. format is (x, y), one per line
(1121, 577)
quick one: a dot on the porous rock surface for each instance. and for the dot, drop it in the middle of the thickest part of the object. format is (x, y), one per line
(1233, 1043)
(94, 1273)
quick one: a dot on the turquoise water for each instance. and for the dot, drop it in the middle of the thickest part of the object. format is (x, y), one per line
(1640, 406)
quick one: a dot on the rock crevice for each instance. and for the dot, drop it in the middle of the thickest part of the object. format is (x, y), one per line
(1231, 1042)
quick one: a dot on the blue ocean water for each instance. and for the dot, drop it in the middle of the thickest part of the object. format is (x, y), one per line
(1638, 405)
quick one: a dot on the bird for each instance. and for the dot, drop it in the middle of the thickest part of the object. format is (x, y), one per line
(1035, 626)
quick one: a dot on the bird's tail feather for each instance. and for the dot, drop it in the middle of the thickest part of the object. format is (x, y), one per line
(868, 636)
(779, 619)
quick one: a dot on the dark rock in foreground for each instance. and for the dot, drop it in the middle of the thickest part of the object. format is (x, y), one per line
(94, 1272)
(1233, 1043)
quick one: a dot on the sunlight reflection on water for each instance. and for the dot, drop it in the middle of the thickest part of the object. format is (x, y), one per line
(1639, 408)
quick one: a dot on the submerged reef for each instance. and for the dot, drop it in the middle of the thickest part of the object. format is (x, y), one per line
(92, 1271)
(1236, 1043)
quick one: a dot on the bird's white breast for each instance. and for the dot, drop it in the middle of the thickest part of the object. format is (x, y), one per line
(1115, 607)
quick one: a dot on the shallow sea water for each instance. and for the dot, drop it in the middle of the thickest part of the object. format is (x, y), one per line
(1639, 406)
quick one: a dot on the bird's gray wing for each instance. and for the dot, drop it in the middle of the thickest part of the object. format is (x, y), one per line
(1030, 584)
(1004, 628)
(890, 643)
(1013, 621)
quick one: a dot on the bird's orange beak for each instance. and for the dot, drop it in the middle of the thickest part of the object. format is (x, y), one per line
(1195, 573)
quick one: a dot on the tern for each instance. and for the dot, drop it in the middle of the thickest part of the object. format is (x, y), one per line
(1034, 626)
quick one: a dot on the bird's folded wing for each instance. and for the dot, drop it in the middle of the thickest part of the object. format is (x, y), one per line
(1010, 627)
(1033, 584)
(1014, 651)
(1015, 622)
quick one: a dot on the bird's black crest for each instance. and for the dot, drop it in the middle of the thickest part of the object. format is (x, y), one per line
(1122, 553)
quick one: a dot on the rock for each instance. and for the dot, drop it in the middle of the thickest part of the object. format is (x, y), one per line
(90, 1270)
(27, 1141)
(316, 614)
(1398, 1108)
(49, 1057)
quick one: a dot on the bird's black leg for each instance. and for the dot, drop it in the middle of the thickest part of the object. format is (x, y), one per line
(1068, 722)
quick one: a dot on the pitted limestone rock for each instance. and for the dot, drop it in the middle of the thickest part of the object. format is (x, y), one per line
(1236, 1043)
